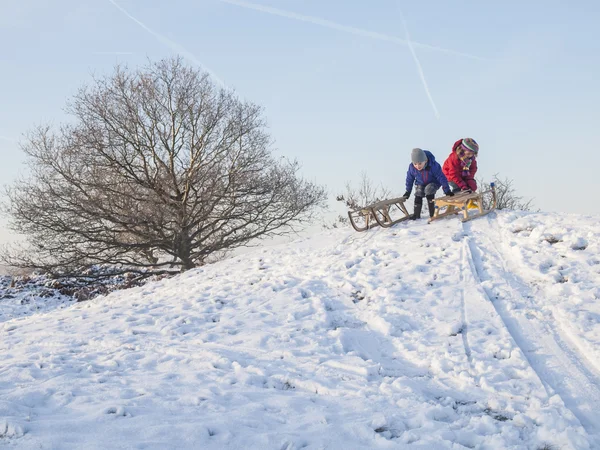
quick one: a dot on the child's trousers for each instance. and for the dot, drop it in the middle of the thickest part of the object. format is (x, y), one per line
(426, 190)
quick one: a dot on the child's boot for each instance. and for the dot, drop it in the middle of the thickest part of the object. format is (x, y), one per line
(418, 206)
(431, 205)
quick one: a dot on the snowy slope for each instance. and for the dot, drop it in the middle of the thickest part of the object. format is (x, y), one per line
(443, 336)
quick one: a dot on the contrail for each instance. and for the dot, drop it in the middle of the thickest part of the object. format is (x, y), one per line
(174, 45)
(344, 28)
(419, 68)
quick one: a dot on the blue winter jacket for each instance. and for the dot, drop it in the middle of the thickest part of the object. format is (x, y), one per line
(431, 173)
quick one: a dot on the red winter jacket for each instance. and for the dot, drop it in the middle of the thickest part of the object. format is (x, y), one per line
(453, 170)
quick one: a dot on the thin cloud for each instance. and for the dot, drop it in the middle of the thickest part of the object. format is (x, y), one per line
(419, 67)
(345, 28)
(174, 45)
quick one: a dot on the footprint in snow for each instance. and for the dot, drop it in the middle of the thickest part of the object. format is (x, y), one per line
(457, 237)
(118, 411)
(579, 244)
(350, 264)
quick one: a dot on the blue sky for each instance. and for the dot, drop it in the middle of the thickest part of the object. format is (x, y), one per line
(343, 90)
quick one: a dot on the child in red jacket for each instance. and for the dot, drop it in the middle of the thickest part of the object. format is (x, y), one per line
(460, 167)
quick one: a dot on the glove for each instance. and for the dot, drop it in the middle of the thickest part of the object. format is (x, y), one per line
(466, 190)
(406, 195)
(449, 193)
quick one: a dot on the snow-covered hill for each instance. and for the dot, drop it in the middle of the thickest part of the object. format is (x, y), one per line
(444, 336)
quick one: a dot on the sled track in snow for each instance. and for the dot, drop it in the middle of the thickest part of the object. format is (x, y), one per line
(464, 317)
(558, 363)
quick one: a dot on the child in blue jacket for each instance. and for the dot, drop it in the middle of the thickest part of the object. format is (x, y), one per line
(426, 173)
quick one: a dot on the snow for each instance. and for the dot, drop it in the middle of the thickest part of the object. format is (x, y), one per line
(443, 336)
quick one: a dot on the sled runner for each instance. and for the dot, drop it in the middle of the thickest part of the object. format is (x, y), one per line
(465, 202)
(385, 213)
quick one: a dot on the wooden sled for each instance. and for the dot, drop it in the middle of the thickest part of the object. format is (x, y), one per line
(383, 213)
(464, 202)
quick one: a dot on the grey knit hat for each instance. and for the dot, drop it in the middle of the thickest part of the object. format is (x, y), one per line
(418, 156)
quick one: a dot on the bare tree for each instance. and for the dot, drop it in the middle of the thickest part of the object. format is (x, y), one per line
(159, 169)
(357, 197)
(363, 195)
(506, 195)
